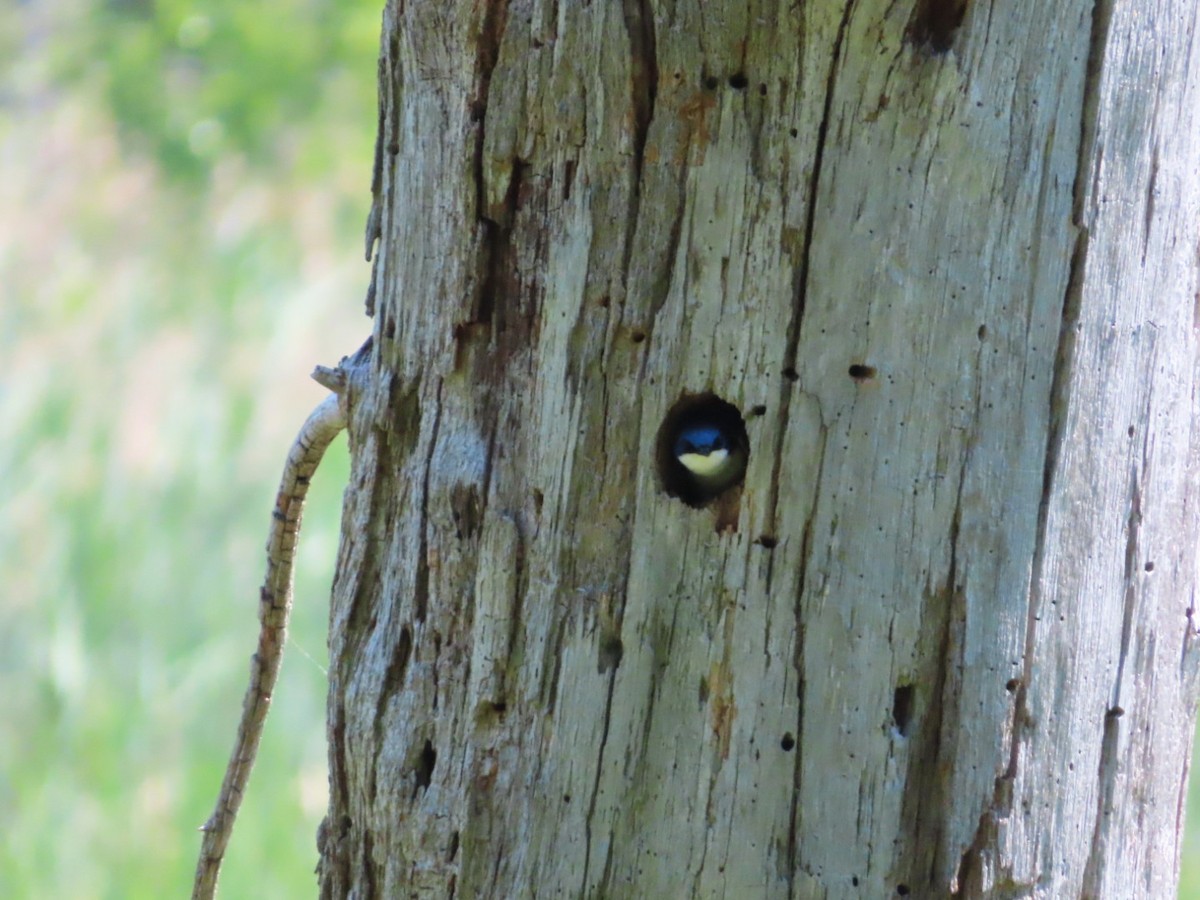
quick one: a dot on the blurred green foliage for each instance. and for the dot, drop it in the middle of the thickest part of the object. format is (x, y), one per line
(191, 83)
(182, 196)
(183, 191)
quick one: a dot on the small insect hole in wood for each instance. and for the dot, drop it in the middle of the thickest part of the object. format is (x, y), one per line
(861, 372)
(787, 742)
(425, 765)
(612, 649)
(903, 701)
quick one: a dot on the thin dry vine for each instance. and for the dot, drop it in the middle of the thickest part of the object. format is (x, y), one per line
(275, 603)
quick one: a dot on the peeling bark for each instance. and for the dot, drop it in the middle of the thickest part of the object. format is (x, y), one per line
(942, 257)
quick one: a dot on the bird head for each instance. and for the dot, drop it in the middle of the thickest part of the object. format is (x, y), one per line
(705, 450)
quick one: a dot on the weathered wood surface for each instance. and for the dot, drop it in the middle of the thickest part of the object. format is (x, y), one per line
(945, 640)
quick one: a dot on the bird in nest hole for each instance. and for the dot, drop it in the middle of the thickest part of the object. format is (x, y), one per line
(712, 458)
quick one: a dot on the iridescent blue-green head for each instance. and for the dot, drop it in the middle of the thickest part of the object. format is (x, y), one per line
(712, 456)
(701, 450)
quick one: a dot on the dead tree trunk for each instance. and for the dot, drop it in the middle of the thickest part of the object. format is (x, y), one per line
(942, 258)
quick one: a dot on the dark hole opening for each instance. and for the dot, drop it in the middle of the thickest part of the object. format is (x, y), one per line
(902, 707)
(705, 415)
(425, 765)
(934, 23)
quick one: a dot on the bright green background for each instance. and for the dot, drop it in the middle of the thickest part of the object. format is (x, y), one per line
(182, 195)
(183, 189)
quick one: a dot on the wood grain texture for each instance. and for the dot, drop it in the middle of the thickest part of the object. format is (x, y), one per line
(944, 639)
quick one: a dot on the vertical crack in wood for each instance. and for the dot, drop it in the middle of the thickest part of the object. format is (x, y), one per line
(1087, 163)
(787, 388)
(421, 581)
(793, 848)
(802, 272)
(1102, 11)
(393, 683)
(1133, 531)
(335, 861)
(1106, 772)
(1189, 658)
(551, 675)
(516, 614)
(496, 303)
(814, 186)
(487, 54)
(949, 697)
(368, 865)
(643, 64)
(387, 79)
(663, 266)
(1093, 871)
(1151, 193)
(356, 583)
(591, 813)
(931, 766)
(643, 77)
(1181, 798)
(387, 139)
(498, 280)
(639, 25)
